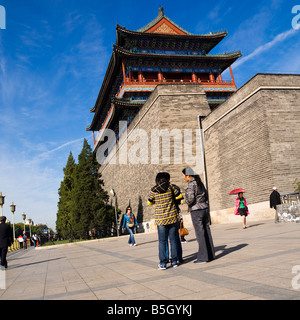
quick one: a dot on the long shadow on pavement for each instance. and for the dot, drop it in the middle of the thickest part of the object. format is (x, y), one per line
(28, 264)
(222, 248)
(226, 251)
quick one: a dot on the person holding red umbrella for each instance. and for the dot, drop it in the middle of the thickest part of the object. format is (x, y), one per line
(241, 208)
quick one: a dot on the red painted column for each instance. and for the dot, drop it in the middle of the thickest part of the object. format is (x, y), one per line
(220, 78)
(124, 74)
(211, 77)
(194, 77)
(232, 78)
(160, 76)
(140, 76)
(130, 75)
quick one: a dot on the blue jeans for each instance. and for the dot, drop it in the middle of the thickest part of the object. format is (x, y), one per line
(131, 237)
(178, 244)
(164, 233)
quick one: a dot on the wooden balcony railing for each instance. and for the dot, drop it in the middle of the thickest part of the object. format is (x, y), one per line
(156, 81)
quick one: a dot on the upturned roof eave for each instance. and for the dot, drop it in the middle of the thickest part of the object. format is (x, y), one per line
(125, 52)
(105, 84)
(106, 77)
(211, 35)
(122, 101)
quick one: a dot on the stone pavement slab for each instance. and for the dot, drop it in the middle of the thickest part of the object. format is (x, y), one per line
(251, 264)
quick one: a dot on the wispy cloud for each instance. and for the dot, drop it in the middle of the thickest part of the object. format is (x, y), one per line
(33, 190)
(86, 58)
(279, 38)
(45, 154)
(73, 20)
(44, 101)
(32, 180)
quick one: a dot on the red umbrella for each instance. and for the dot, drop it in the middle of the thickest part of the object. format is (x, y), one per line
(237, 191)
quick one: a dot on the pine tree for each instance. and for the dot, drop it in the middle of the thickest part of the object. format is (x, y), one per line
(63, 222)
(88, 195)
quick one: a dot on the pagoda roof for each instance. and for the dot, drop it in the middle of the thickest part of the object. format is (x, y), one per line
(154, 25)
(164, 27)
(207, 41)
(125, 52)
(219, 34)
(223, 60)
(166, 32)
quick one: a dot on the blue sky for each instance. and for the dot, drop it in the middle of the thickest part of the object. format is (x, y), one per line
(53, 57)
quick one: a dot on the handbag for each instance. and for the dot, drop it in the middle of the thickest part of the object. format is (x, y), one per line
(183, 232)
(130, 225)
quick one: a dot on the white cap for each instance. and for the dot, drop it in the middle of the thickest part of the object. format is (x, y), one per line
(274, 188)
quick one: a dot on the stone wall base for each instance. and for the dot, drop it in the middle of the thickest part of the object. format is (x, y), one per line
(258, 212)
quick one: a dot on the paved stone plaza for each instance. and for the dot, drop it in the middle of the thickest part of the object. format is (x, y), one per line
(255, 263)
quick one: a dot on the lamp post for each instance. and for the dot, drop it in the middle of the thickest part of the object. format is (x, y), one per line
(29, 221)
(24, 242)
(24, 217)
(112, 192)
(13, 209)
(2, 198)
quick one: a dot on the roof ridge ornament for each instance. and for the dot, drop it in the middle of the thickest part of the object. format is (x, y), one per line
(161, 11)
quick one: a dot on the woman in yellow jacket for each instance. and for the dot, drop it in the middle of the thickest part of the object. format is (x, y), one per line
(163, 195)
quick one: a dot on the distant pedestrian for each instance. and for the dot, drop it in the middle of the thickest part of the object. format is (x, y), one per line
(166, 217)
(130, 223)
(196, 198)
(6, 240)
(241, 208)
(274, 201)
(20, 239)
(24, 240)
(34, 239)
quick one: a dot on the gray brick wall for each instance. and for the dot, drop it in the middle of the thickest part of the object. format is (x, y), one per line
(169, 107)
(252, 141)
(256, 145)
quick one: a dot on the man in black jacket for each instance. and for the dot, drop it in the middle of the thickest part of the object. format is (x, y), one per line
(274, 201)
(5, 240)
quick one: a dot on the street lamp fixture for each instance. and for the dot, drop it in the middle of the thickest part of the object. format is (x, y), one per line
(2, 198)
(13, 209)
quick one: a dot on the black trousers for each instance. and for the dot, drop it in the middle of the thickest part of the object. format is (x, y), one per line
(200, 219)
(3, 253)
